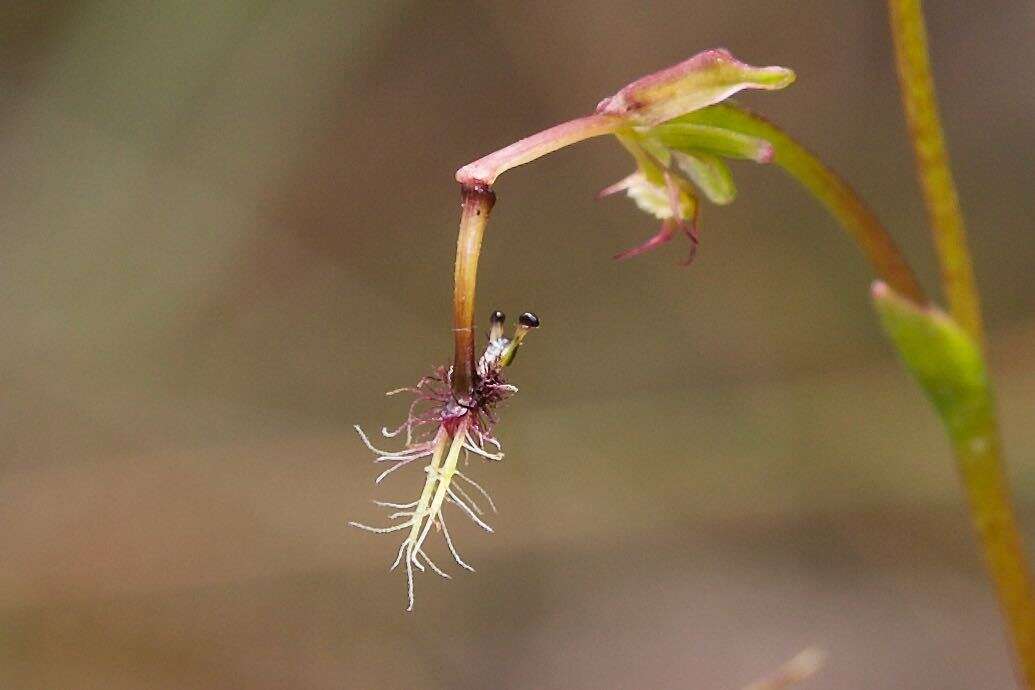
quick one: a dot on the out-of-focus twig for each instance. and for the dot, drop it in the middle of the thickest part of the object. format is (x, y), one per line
(799, 668)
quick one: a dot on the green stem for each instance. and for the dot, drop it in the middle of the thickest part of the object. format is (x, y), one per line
(950, 368)
(979, 455)
(932, 161)
(973, 428)
(840, 199)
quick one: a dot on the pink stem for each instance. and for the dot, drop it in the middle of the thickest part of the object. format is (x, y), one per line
(484, 171)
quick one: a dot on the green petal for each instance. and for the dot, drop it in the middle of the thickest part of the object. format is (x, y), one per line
(684, 136)
(651, 157)
(703, 80)
(711, 175)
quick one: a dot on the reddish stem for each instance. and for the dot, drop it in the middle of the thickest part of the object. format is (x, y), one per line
(476, 202)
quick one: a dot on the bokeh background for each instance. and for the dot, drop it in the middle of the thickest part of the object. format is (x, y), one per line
(228, 227)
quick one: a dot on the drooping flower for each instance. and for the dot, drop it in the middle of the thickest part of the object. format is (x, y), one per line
(453, 412)
(675, 156)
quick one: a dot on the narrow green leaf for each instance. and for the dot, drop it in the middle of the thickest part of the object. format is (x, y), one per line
(943, 358)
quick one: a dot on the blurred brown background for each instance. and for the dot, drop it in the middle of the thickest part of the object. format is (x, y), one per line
(228, 227)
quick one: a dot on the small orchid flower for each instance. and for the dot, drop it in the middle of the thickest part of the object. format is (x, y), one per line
(454, 409)
(675, 156)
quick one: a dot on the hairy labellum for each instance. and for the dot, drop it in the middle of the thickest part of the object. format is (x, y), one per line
(439, 429)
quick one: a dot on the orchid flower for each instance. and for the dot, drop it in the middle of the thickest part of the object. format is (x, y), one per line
(675, 157)
(453, 414)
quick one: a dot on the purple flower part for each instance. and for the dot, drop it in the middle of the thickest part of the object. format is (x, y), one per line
(678, 212)
(703, 80)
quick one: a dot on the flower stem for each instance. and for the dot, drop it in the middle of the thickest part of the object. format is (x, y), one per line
(840, 199)
(486, 170)
(973, 430)
(476, 203)
(932, 161)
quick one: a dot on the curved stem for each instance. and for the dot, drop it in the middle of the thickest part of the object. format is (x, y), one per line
(476, 203)
(823, 183)
(932, 161)
(974, 432)
(486, 170)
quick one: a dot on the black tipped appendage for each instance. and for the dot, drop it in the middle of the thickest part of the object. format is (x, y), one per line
(529, 320)
(497, 318)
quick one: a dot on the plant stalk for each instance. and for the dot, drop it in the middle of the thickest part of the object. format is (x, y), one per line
(854, 216)
(932, 162)
(979, 455)
(477, 201)
(486, 170)
(974, 432)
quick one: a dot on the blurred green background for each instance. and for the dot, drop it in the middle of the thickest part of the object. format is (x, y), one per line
(228, 227)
